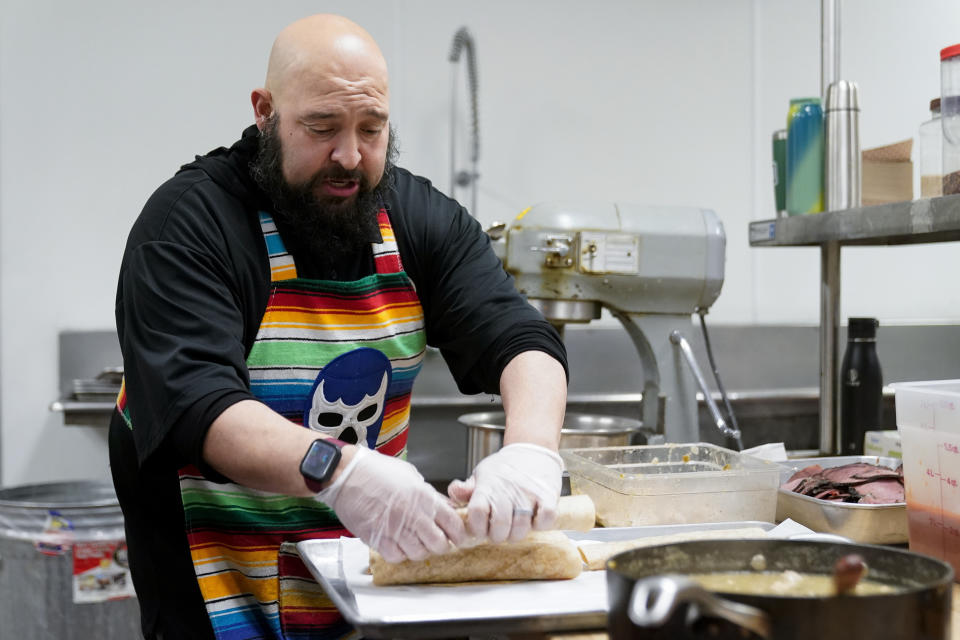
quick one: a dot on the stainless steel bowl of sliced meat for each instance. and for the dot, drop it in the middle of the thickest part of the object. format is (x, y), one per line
(858, 497)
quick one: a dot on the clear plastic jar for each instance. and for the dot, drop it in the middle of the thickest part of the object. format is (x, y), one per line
(950, 117)
(930, 153)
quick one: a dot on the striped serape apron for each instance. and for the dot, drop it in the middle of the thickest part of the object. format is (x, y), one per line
(337, 356)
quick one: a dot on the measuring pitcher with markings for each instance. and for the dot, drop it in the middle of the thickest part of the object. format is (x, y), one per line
(928, 418)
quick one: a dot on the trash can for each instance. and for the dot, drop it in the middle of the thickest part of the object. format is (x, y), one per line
(63, 565)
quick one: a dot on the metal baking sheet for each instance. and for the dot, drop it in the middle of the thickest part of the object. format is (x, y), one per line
(865, 523)
(322, 558)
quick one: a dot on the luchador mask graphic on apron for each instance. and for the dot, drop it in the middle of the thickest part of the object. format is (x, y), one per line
(347, 400)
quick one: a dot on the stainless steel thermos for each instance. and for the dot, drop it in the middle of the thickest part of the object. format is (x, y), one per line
(842, 169)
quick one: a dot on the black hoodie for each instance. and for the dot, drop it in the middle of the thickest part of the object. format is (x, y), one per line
(193, 288)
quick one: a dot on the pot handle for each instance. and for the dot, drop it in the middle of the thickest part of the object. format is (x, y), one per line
(654, 599)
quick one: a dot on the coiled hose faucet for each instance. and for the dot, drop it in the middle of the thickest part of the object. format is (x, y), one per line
(462, 40)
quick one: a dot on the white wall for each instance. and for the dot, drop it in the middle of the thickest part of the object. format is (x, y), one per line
(650, 102)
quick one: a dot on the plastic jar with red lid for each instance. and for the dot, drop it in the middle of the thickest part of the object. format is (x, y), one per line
(950, 117)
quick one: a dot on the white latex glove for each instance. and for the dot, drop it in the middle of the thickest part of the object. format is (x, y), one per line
(385, 502)
(511, 491)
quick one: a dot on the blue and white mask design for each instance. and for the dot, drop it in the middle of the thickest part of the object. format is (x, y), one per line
(348, 397)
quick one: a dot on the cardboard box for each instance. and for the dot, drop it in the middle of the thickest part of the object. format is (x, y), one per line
(883, 443)
(886, 182)
(887, 174)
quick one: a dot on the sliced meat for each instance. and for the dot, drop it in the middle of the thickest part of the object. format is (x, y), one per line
(881, 492)
(830, 494)
(815, 485)
(858, 473)
(794, 484)
(806, 472)
(860, 482)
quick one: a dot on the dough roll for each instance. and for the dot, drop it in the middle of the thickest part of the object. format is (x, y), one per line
(542, 555)
(574, 513)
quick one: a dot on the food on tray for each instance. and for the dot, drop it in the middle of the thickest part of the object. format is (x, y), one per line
(860, 482)
(575, 513)
(542, 555)
(595, 555)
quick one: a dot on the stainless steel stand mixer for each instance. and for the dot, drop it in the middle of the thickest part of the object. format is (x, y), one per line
(650, 267)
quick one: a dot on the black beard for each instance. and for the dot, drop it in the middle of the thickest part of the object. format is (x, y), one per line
(329, 229)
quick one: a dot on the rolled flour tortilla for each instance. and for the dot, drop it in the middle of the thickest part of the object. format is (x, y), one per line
(542, 555)
(595, 555)
(574, 513)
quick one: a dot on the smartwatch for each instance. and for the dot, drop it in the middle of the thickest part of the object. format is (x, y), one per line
(321, 461)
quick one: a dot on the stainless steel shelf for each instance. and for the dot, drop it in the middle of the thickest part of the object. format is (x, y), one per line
(78, 413)
(915, 222)
(898, 223)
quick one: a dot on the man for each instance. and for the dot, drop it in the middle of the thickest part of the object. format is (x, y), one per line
(291, 281)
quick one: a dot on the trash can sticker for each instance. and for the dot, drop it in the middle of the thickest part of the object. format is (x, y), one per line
(101, 572)
(57, 535)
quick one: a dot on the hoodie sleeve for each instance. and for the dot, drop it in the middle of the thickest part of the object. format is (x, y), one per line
(183, 309)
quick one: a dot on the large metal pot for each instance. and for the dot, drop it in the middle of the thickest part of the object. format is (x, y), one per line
(649, 597)
(485, 432)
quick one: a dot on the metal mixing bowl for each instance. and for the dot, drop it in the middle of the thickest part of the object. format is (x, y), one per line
(485, 432)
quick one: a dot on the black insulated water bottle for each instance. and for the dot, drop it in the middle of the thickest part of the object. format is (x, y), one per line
(861, 386)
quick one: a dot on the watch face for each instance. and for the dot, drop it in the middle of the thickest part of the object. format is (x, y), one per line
(321, 460)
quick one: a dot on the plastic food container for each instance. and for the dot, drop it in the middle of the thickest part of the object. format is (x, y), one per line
(673, 484)
(950, 117)
(928, 418)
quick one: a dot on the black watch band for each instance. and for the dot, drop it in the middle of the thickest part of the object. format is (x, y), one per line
(320, 462)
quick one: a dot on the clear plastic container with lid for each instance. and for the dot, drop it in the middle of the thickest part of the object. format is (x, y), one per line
(928, 418)
(950, 117)
(930, 153)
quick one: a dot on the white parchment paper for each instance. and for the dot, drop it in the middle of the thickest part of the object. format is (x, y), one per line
(409, 603)
(585, 593)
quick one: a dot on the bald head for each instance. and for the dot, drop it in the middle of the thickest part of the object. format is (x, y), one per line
(322, 47)
(325, 109)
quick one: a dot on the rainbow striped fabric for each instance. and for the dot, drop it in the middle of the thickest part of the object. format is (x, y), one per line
(252, 580)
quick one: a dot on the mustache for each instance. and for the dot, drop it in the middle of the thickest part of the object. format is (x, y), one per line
(337, 172)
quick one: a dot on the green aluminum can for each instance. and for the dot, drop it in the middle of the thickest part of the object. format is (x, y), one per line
(780, 171)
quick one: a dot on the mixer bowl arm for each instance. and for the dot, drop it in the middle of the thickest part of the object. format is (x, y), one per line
(677, 338)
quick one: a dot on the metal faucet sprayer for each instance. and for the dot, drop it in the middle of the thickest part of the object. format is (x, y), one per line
(462, 40)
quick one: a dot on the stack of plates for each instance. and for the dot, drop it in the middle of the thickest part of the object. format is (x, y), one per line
(105, 386)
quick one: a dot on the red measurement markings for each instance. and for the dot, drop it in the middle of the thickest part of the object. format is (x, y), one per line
(943, 478)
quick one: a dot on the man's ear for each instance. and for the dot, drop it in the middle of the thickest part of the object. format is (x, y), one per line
(262, 106)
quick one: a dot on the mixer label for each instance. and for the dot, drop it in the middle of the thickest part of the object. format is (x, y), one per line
(616, 253)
